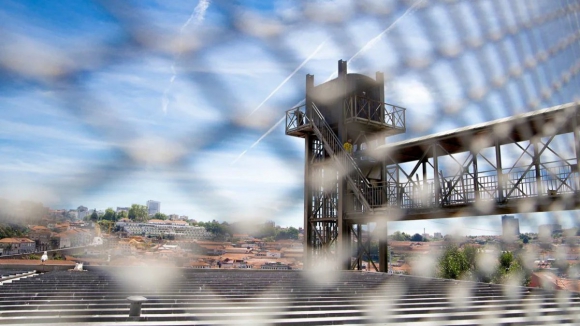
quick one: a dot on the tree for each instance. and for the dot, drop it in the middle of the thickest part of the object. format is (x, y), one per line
(160, 216)
(110, 215)
(106, 226)
(11, 230)
(122, 215)
(138, 213)
(470, 253)
(453, 263)
(511, 268)
(289, 233)
(94, 216)
(417, 237)
(400, 236)
(220, 230)
(505, 260)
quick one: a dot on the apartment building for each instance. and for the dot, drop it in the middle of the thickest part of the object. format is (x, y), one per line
(154, 228)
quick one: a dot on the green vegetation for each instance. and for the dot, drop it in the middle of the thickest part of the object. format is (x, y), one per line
(122, 215)
(110, 215)
(453, 263)
(11, 230)
(266, 231)
(417, 237)
(456, 263)
(138, 213)
(94, 216)
(217, 228)
(160, 216)
(400, 236)
(57, 256)
(289, 233)
(106, 226)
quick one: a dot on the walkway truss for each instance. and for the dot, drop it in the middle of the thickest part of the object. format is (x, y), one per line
(525, 163)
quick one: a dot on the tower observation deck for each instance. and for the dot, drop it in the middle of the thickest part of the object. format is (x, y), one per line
(463, 172)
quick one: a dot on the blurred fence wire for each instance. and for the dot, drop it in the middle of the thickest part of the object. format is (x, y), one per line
(455, 62)
(451, 63)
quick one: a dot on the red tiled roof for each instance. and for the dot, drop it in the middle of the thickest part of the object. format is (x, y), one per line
(15, 240)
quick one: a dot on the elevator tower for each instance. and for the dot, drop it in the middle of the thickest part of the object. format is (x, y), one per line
(341, 189)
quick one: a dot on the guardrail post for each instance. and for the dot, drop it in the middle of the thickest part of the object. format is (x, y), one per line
(136, 302)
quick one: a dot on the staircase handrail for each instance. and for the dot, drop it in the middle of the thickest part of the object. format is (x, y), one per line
(340, 145)
(340, 153)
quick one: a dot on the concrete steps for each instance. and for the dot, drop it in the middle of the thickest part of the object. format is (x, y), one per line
(220, 297)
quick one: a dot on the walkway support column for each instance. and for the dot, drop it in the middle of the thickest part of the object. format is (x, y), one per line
(308, 157)
(539, 189)
(436, 184)
(382, 235)
(500, 178)
(475, 177)
(577, 149)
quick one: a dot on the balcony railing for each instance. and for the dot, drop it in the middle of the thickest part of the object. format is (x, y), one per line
(360, 108)
(296, 119)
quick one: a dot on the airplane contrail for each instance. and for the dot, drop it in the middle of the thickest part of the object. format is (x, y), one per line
(318, 48)
(258, 141)
(198, 15)
(365, 47)
(375, 39)
(290, 76)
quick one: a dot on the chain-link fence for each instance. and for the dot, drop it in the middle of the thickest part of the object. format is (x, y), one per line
(156, 88)
(108, 101)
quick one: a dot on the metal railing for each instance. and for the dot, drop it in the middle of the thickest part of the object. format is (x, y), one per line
(296, 118)
(555, 180)
(360, 107)
(556, 177)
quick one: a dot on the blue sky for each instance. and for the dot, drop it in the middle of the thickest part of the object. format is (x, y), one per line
(105, 104)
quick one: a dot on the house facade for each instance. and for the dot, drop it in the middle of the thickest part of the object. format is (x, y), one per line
(14, 246)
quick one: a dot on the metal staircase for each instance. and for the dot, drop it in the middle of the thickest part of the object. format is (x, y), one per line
(356, 180)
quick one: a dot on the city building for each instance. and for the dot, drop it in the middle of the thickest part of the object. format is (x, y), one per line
(73, 214)
(510, 226)
(275, 266)
(82, 211)
(13, 246)
(123, 209)
(41, 236)
(155, 228)
(153, 207)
